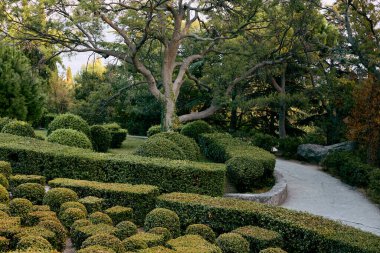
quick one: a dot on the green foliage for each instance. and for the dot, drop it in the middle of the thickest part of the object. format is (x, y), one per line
(264, 141)
(4, 181)
(69, 121)
(16, 180)
(56, 227)
(374, 185)
(192, 243)
(4, 244)
(92, 203)
(272, 250)
(104, 240)
(72, 204)
(161, 147)
(19, 128)
(79, 223)
(125, 229)
(134, 244)
(164, 232)
(300, 231)
(4, 121)
(100, 138)
(57, 196)
(154, 130)
(202, 230)
(119, 214)
(20, 207)
(195, 129)
(31, 191)
(150, 239)
(99, 217)
(118, 135)
(96, 249)
(161, 217)
(70, 137)
(35, 242)
(288, 146)
(4, 195)
(232, 243)
(81, 233)
(5, 168)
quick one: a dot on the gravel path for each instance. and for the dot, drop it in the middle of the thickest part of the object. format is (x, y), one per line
(314, 191)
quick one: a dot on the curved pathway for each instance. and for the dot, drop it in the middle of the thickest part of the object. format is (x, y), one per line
(314, 191)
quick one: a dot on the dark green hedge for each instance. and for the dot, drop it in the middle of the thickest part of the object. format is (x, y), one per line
(301, 232)
(31, 156)
(139, 197)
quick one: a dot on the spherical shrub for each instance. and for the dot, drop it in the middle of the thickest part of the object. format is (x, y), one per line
(161, 231)
(20, 128)
(99, 217)
(70, 137)
(72, 204)
(5, 169)
(272, 250)
(4, 195)
(100, 138)
(69, 121)
(69, 215)
(161, 217)
(20, 207)
(92, 204)
(202, 230)
(196, 128)
(104, 240)
(132, 244)
(118, 135)
(125, 229)
(154, 130)
(4, 181)
(31, 191)
(3, 122)
(57, 196)
(245, 172)
(35, 242)
(96, 249)
(57, 228)
(161, 147)
(119, 213)
(232, 243)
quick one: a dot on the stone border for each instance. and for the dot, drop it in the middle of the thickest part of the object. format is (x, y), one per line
(276, 196)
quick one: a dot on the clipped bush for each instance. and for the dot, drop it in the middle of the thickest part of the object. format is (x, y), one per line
(4, 195)
(69, 121)
(37, 231)
(20, 207)
(150, 239)
(374, 185)
(69, 215)
(202, 230)
(125, 229)
(289, 145)
(93, 204)
(104, 240)
(264, 141)
(192, 243)
(57, 196)
(35, 242)
(232, 243)
(72, 204)
(31, 191)
(101, 138)
(41, 208)
(118, 135)
(3, 215)
(154, 130)
(161, 217)
(79, 223)
(4, 121)
(5, 169)
(19, 128)
(4, 181)
(16, 180)
(134, 244)
(273, 250)
(57, 228)
(96, 249)
(195, 129)
(157, 249)
(161, 231)
(99, 217)
(81, 233)
(70, 137)
(161, 147)
(119, 214)
(34, 217)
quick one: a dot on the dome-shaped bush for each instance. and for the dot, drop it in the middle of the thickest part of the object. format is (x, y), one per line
(202, 230)
(4, 181)
(161, 147)
(78, 224)
(99, 217)
(69, 215)
(4, 195)
(125, 229)
(5, 169)
(245, 172)
(188, 145)
(57, 228)
(134, 244)
(232, 243)
(104, 240)
(100, 138)
(70, 137)
(35, 242)
(20, 128)
(154, 130)
(31, 191)
(93, 204)
(69, 121)
(161, 231)
(57, 196)
(196, 128)
(72, 204)
(20, 207)
(161, 217)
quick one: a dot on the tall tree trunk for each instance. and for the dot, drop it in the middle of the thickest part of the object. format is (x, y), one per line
(169, 115)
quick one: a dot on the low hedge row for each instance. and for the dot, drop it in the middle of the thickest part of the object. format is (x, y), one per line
(141, 198)
(301, 232)
(32, 156)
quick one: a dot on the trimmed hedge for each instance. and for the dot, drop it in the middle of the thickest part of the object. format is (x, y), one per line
(69, 121)
(16, 180)
(93, 204)
(150, 239)
(195, 129)
(20, 207)
(100, 138)
(161, 147)
(19, 128)
(192, 243)
(301, 232)
(70, 137)
(119, 214)
(31, 156)
(140, 197)
(70, 215)
(202, 230)
(272, 250)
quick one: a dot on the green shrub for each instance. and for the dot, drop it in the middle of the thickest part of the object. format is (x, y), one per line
(19, 128)
(100, 138)
(99, 217)
(119, 214)
(4, 244)
(37, 231)
(69, 121)
(374, 185)
(16, 180)
(41, 208)
(4, 121)
(134, 244)
(259, 238)
(161, 231)
(141, 198)
(118, 135)
(79, 223)
(4, 208)
(57, 228)
(93, 204)
(202, 230)
(154, 130)
(57, 196)
(195, 129)
(232, 243)
(150, 239)
(69, 215)
(72, 204)
(289, 145)
(81, 233)
(161, 217)
(301, 232)
(125, 229)
(272, 250)
(314, 138)
(20, 207)
(35, 242)
(5, 168)
(4, 181)
(3, 215)
(192, 243)
(96, 249)
(160, 147)
(34, 217)
(157, 249)
(47, 119)
(188, 145)
(264, 141)
(70, 137)
(4, 195)
(31, 191)
(104, 240)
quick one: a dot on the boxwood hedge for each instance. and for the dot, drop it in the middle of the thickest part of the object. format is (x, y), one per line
(32, 156)
(301, 232)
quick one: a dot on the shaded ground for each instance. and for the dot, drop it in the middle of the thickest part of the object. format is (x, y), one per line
(313, 191)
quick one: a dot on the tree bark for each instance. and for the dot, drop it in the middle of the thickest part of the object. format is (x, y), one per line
(283, 108)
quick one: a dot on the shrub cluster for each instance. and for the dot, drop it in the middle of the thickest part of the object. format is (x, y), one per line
(301, 232)
(232, 243)
(20, 128)
(70, 137)
(57, 196)
(100, 138)
(81, 233)
(161, 147)
(69, 121)
(202, 230)
(161, 217)
(118, 135)
(195, 129)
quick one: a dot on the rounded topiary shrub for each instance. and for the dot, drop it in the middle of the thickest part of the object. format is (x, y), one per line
(202, 230)
(31, 191)
(104, 240)
(161, 217)
(70, 137)
(134, 244)
(99, 217)
(57, 196)
(4, 181)
(154, 130)
(79, 223)
(100, 138)
(125, 229)
(20, 128)
(20, 207)
(273, 250)
(72, 204)
(69, 121)
(161, 147)
(69, 215)
(35, 242)
(245, 172)
(196, 128)
(5, 169)
(161, 231)
(57, 228)
(232, 243)
(4, 195)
